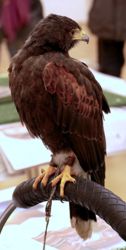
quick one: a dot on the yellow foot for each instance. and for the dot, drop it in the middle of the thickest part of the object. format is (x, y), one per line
(44, 176)
(64, 177)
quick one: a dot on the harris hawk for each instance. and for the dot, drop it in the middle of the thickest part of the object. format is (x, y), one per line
(60, 101)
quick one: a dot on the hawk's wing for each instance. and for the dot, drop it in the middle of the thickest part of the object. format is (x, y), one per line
(78, 101)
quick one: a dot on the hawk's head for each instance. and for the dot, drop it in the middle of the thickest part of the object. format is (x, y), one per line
(56, 33)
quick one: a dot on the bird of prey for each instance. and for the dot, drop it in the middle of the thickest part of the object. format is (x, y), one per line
(60, 101)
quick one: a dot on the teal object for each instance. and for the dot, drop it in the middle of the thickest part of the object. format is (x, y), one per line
(8, 112)
(115, 100)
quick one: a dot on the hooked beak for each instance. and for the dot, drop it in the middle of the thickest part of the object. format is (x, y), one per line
(80, 35)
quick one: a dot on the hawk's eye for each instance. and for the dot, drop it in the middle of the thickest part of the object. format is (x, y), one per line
(72, 32)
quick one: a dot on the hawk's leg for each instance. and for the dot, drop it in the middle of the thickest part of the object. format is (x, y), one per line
(64, 177)
(66, 162)
(44, 176)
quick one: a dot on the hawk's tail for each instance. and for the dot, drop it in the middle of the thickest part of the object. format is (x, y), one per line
(81, 220)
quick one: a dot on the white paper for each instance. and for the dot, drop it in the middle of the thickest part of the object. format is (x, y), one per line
(20, 151)
(115, 130)
(25, 230)
(112, 84)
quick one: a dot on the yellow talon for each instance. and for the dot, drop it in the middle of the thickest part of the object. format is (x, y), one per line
(64, 177)
(44, 176)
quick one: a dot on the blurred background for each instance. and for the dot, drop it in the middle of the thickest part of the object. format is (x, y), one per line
(12, 134)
